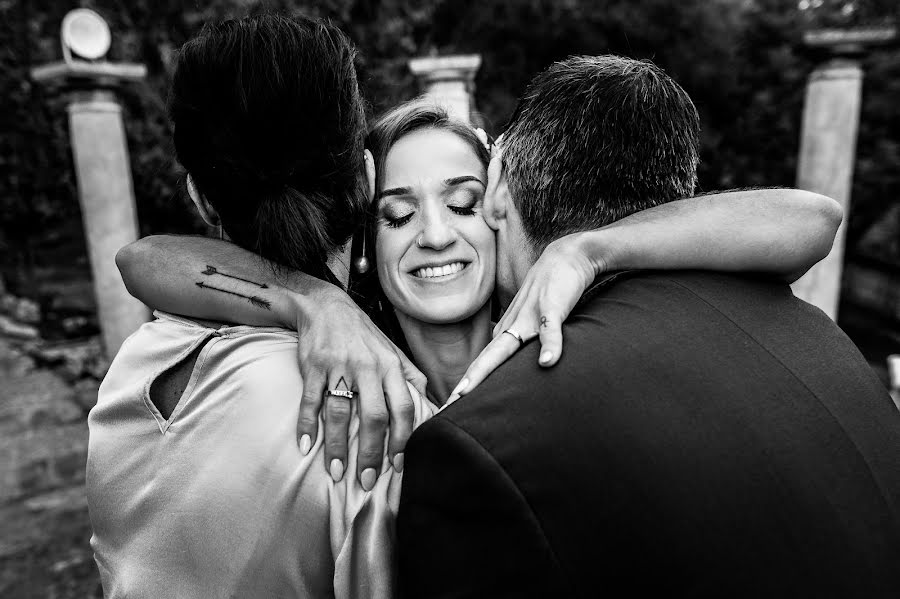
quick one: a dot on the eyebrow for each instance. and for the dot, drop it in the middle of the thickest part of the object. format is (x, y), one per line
(394, 191)
(451, 182)
(463, 179)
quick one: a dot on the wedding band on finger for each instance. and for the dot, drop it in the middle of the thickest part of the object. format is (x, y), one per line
(515, 336)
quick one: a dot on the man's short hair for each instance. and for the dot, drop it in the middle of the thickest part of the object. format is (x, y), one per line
(594, 139)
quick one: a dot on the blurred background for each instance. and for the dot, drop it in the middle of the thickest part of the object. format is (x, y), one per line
(744, 62)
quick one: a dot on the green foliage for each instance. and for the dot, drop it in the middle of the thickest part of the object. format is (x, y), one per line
(738, 59)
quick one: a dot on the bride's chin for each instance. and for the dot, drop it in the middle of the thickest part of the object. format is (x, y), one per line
(450, 313)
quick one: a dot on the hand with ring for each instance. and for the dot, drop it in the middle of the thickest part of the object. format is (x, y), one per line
(549, 293)
(345, 358)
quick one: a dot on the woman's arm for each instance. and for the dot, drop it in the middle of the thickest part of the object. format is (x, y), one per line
(212, 279)
(783, 232)
(217, 280)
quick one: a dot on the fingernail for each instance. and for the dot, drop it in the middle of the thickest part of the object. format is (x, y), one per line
(451, 399)
(305, 444)
(337, 470)
(367, 478)
(398, 462)
(460, 387)
(546, 357)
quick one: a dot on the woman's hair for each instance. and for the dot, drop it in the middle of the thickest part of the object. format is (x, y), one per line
(387, 130)
(269, 123)
(411, 116)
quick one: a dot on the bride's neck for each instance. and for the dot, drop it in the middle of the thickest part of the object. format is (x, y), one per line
(443, 352)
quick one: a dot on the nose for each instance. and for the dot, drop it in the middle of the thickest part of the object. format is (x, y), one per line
(437, 233)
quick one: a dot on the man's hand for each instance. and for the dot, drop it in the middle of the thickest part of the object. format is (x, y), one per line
(551, 289)
(340, 348)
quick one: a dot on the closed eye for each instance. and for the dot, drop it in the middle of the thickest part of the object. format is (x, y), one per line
(463, 210)
(465, 201)
(397, 221)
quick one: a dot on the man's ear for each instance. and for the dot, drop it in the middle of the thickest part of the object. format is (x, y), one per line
(370, 173)
(206, 210)
(496, 197)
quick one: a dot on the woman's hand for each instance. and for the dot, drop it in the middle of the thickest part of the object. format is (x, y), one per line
(340, 348)
(778, 232)
(551, 289)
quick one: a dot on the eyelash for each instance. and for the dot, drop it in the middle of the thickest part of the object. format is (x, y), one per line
(463, 210)
(399, 222)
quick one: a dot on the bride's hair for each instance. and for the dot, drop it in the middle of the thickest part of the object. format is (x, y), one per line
(269, 122)
(388, 129)
(411, 116)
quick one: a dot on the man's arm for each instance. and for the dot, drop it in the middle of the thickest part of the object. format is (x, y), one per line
(464, 530)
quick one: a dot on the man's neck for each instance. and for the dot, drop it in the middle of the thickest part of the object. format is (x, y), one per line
(443, 352)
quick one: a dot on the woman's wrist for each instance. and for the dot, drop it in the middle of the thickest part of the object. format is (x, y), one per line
(288, 307)
(600, 248)
(312, 301)
(302, 297)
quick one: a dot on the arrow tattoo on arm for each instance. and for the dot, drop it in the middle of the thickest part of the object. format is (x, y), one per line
(253, 299)
(212, 270)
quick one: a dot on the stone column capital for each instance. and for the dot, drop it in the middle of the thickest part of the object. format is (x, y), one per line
(455, 67)
(83, 75)
(849, 43)
(450, 81)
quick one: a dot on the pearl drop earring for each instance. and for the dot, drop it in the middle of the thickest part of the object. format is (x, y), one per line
(361, 263)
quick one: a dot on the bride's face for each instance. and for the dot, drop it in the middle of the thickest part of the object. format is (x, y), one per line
(435, 255)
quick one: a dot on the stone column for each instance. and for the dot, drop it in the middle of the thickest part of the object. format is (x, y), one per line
(100, 154)
(828, 143)
(107, 203)
(450, 80)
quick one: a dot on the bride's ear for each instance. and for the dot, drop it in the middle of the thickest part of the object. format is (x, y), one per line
(496, 196)
(370, 172)
(206, 210)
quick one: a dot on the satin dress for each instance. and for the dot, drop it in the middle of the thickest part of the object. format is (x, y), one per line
(217, 500)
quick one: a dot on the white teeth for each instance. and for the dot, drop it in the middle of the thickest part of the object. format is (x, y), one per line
(433, 272)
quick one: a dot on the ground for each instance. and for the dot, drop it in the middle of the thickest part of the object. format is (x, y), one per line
(44, 525)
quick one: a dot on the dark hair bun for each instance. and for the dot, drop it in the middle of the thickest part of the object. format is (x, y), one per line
(269, 121)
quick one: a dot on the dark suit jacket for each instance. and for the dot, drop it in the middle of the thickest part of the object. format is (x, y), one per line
(704, 435)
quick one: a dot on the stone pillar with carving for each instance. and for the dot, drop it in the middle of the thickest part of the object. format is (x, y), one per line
(450, 81)
(828, 142)
(100, 153)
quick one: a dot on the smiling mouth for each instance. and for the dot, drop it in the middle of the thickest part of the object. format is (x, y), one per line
(435, 272)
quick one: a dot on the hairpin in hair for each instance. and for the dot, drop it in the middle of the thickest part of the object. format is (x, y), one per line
(483, 138)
